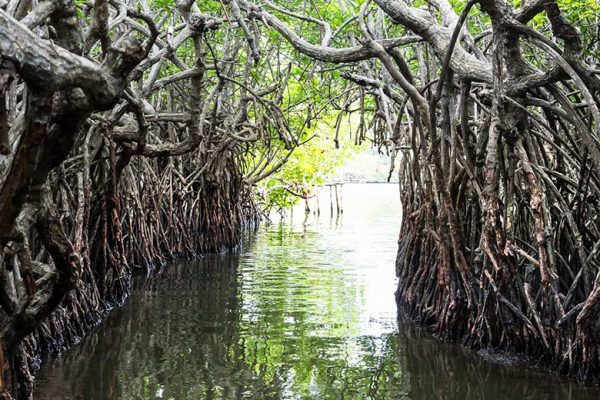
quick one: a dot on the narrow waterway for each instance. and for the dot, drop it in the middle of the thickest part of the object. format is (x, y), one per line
(305, 311)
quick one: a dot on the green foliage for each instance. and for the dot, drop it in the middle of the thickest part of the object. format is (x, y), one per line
(577, 10)
(165, 5)
(309, 166)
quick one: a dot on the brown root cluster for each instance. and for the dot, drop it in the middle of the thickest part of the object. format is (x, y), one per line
(499, 242)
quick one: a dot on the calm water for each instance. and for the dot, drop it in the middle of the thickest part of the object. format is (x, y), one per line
(305, 311)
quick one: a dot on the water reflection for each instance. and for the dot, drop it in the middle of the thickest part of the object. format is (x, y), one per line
(305, 311)
(445, 371)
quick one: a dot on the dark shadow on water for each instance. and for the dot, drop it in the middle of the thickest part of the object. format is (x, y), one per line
(448, 371)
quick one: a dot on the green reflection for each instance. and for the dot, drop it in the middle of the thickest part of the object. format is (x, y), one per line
(302, 318)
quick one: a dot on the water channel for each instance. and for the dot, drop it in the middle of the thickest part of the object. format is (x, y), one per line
(304, 311)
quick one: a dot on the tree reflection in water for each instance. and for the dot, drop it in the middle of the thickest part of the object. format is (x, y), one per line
(437, 370)
(303, 312)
